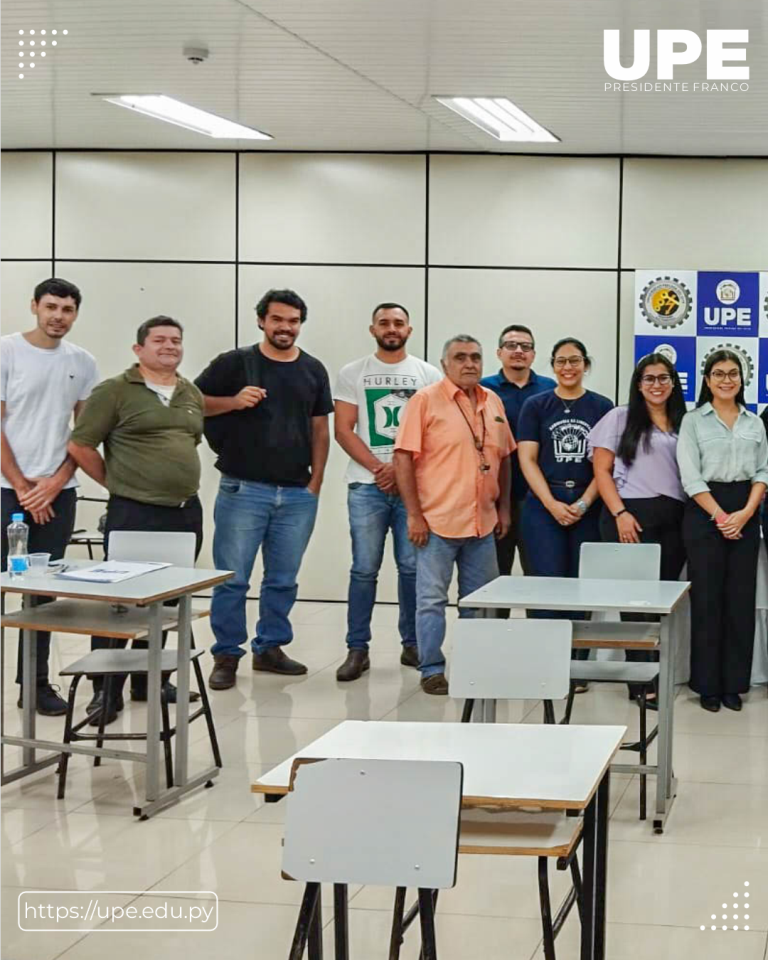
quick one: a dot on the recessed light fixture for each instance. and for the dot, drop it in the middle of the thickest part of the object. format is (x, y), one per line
(183, 115)
(500, 118)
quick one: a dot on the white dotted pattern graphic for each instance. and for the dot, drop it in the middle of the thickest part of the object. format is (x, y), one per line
(734, 916)
(32, 43)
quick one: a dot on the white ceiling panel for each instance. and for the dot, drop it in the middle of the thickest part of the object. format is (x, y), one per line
(360, 74)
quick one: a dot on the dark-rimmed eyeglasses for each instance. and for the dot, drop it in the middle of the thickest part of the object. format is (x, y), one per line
(524, 345)
(719, 375)
(560, 362)
(663, 379)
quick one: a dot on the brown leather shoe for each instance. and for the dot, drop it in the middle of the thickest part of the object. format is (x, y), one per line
(224, 669)
(354, 666)
(409, 657)
(273, 660)
(437, 685)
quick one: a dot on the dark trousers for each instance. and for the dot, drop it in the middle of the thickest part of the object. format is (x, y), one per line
(553, 550)
(505, 549)
(662, 521)
(125, 514)
(723, 575)
(51, 537)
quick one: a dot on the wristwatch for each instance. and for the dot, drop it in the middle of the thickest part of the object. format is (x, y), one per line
(582, 506)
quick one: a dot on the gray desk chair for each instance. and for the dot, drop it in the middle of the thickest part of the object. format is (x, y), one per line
(82, 537)
(179, 550)
(519, 660)
(620, 561)
(415, 805)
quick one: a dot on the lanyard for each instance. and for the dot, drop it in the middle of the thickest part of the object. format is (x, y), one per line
(479, 441)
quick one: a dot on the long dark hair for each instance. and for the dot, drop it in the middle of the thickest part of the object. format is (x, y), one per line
(639, 425)
(705, 394)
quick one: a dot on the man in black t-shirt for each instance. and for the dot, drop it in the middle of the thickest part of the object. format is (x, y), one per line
(266, 410)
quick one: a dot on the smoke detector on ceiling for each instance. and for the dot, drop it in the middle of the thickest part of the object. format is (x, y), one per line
(196, 54)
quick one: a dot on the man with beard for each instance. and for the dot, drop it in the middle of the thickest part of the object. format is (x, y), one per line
(369, 399)
(45, 380)
(267, 409)
(150, 421)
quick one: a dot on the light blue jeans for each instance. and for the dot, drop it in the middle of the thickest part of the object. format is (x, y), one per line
(475, 558)
(280, 520)
(371, 514)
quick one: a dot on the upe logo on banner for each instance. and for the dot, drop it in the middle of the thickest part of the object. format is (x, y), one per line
(728, 303)
(667, 57)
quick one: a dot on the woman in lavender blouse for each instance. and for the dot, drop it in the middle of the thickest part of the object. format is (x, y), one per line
(634, 455)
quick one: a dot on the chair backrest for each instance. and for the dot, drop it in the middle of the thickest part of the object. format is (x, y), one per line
(620, 561)
(175, 548)
(402, 814)
(511, 659)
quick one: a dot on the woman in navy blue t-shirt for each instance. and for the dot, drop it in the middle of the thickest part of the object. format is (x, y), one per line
(561, 509)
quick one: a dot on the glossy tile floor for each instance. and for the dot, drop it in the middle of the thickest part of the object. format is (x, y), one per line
(662, 889)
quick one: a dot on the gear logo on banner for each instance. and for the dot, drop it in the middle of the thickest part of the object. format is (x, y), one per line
(666, 302)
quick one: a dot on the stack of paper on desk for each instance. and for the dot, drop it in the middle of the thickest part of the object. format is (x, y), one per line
(112, 571)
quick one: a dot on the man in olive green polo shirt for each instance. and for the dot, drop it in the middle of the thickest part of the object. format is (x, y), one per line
(149, 421)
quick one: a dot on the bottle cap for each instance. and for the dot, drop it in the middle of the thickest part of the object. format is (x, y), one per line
(17, 517)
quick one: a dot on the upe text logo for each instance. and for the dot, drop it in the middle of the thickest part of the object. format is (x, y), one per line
(677, 48)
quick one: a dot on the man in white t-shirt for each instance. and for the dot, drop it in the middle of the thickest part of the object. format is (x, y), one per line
(369, 397)
(44, 382)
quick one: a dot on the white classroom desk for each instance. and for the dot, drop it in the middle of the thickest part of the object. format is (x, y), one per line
(583, 595)
(85, 613)
(507, 765)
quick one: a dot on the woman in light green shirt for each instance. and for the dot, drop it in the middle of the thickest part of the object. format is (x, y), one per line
(722, 453)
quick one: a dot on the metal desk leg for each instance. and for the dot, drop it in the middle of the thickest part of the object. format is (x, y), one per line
(588, 884)
(675, 622)
(182, 691)
(666, 710)
(28, 638)
(601, 864)
(154, 681)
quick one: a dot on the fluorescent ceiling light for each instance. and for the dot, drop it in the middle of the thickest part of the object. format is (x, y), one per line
(183, 115)
(499, 117)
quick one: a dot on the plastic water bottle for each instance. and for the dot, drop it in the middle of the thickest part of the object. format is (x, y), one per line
(18, 550)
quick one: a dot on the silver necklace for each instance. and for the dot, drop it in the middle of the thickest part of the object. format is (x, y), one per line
(567, 406)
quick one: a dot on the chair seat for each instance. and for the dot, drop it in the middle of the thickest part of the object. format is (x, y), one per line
(81, 536)
(613, 671)
(629, 636)
(515, 833)
(102, 662)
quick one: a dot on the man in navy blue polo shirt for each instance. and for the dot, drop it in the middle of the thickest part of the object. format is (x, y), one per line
(515, 383)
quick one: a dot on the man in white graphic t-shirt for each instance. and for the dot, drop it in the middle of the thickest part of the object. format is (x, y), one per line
(369, 398)
(45, 382)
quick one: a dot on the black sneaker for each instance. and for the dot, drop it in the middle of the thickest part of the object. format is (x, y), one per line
(49, 703)
(139, 694)
(96, 705)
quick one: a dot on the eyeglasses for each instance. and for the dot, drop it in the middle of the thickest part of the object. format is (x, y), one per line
(663, 380)
(560, 362)
(719, 375)
(524, 345)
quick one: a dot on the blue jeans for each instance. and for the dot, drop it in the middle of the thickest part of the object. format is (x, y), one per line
(249, 515)
(475, 558)
(371, 514)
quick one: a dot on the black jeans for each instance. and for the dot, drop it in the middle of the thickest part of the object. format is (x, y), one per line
(125, 514)
(51, 537)
(505, 549)
(662, 521)
(723, 576)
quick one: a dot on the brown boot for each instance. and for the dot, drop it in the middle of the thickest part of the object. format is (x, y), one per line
(354, 666)
(223, 674)
(273, 660)
(436, 684)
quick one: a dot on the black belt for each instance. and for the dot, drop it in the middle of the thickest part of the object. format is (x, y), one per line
(569, 484)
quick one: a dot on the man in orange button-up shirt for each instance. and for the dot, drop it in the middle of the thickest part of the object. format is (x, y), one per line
(453, 473)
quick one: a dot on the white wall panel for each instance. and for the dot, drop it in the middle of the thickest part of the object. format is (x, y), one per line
(26, 209)
(117, 297)
(18, 284)
(553, 304)
(321, 208)
(523, 211)
(145, 206)
(626, 334)
(340, 301)
(695, 214)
